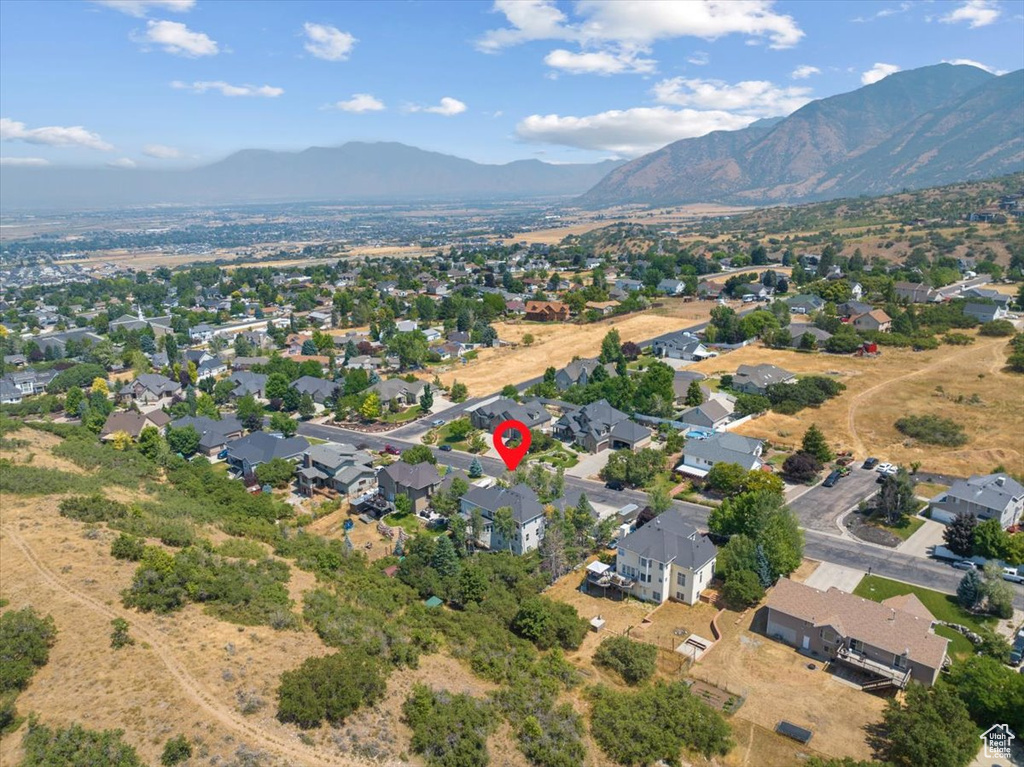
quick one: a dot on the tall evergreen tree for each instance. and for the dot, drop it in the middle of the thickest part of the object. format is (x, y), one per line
(814, 443)
(475, 469)
(445, 560)
(694, 396)
(764, 570)
(959, 534)
(970, 589)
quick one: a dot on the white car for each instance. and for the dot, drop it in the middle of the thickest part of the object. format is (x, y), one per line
(1010, 574)
(886, 468)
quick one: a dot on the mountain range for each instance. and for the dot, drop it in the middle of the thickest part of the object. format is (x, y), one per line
(355, 171)
(920, 128)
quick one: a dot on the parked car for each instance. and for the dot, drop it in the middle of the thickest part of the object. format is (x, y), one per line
(438, 422)
(885, 468)
(1017, 651)
(870, 463)
(446, 448)
(831, 479)
(1012, 575)
(392, 450)
(964, 564)
(615, 484)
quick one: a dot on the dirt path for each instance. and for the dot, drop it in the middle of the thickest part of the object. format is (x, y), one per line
(294, 753)
(942, 362)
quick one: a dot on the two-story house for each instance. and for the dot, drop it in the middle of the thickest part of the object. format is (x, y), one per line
(755, 379)
(246, 454)
(416, 482)
(337, 467)
(547, 311)
(150, 390)
(581, 372)
(892, 641)
(681, 346)
(876, 320)
(527, 517)
(667, 558)
(489, 415)
(986, 496)
(598, 426)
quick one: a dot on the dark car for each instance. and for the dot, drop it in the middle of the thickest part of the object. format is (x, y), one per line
(1017, 653)
(615, 484)
(392, 450)
(870, 463)
(831, 479)
(446, 448)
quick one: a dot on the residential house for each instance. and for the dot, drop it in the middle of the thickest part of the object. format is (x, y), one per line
(916, 292)
(416, 482)
(336, 467)
(681, 346)
(15, 360)
(604, 308)
(681, 384)
(246, 454)
(581, 372)
(713, 414)
(151, 389)
(160, 325)
(876, 320)
(547, 311)
(247, 382)
(58, 341)
(985, 312)
(987, 294)
(489, 415)
(320, 389)
(754, 290)
(9, 393)
(247, 363)
(667, 558)
(398, 389)
(805, 303)
(201, 333)
(798, 332)
(671, 287)
(892, 641)
(406, 326)
(598, 426)
(699, 455)
(515, 306)
(30, 381)
(755, 379)
(853, 309)
(132, 423)
(986, 496)
(213, 435)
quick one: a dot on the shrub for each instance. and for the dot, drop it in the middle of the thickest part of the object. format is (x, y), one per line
(449, 730)
(128, 547)
(547, 623)
(330, 688)
(957, 339)
(25, 642)
(276, 472)
(634, 661)
(92, 508)
(997, 328)
(932, 429)
(176, 750)
(240, 548)
(119, 636)
(742, 589)
(801, 467)
(76, 746)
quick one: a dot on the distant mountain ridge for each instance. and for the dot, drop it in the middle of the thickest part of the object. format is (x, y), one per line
(355, 171)
(923, 127)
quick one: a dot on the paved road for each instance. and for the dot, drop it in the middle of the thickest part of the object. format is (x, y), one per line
(820, 507)
(819, 545)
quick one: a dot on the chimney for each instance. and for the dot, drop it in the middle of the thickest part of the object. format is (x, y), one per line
(1000, 480)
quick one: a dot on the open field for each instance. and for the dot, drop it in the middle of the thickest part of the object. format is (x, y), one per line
(555, 344)
(880, 390)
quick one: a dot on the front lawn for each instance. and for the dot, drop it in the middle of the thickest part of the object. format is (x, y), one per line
(557, 456)
(943, 606)
(406, 415)
(906, 528)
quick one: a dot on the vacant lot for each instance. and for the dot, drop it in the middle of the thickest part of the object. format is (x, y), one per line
(556, 344)
(899, 382)
(777, 685)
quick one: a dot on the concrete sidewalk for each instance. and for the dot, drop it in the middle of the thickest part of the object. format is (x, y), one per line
(927, 536)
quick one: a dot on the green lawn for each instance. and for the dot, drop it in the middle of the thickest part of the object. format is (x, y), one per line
(641, 362)
(942, 606)
(558, 456)
(316, 441)
(405, 415)
(907, 527)
(410, 522)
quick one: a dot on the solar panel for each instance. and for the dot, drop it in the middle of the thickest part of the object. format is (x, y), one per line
(792, 731)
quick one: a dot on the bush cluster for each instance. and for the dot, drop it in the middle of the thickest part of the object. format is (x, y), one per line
(933, 429)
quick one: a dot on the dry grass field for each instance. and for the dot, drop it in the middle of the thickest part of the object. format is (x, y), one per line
(556, 344)
(899, 382)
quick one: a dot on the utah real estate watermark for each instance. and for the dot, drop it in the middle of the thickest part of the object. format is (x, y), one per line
(998, 741)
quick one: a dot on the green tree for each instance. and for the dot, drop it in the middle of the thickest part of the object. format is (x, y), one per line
(129, 547)
(990, 540)
(73, 401)
(445, 560)
(418, 454)
(959, 534)
(611, 347)
(896, 498)
(250, 412)
(726, 478)
(458, 392)
(25, 642)
(149, 442)
(694, 395)
(932, 726)
(277, 472)
(307, 408)
(330, 688)
(634, 661)
(426, 399)
(119, 637)
(370, 410)
(410, 348)
(176, 750)
(814, 443)
(282, 422)
(476, 470)
(991, 691)
(505, 525)
(277, 385)
(183, 441)
(658, 500)
(969, 590)
(449, 730)
(459, 429)
(742, 589)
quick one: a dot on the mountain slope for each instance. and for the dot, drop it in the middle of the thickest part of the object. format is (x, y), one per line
(351, 172)
(908, 129)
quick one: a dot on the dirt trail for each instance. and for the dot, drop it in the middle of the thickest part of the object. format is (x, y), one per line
(294, 753)
(942, 362)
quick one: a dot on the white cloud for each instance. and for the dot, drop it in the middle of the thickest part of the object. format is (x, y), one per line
(122, 162)
(174, 37)
(804, 71)
(639, 22)
(76, 135)
(598, 62)
(699, 59)
(973, 63)
(885, 12)
(140, 8)
(24, 162)
(360, 102)
(878, 72)
(977, 13)
(227, 89)
(327, 42)
(750, 97)
(448, 107)
(628, 132)
(162, 152)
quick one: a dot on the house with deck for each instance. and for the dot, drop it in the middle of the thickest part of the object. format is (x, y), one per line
(699, 455)
(150, 390)
(580, 372)
(416, 482)
(336, 468)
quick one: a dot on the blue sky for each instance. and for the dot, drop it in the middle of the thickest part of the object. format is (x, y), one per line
(173, 83)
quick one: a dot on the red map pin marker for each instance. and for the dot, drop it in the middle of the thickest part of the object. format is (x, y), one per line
(512, 455)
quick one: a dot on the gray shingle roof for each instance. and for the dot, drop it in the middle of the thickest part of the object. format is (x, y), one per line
(724, 448)
(260, 447)
(669, 538)
(986, 490)
(416, 477)
(521, 499)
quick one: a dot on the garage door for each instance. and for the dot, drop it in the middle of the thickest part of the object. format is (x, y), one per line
(787, 634)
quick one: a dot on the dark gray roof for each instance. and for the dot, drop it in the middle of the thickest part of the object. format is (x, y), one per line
(154, 382)
(724, 447)
(335, 454)
(248, 382)
(669, 538)
(761, 376)
(532, 414)
(629, 431)
(521, 499)
(260, 447)
(416, 477)
(211, 433)
(993, 491)
(315, 387)
(597, 418)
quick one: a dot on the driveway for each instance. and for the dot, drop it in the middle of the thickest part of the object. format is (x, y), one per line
(820, 507)
(590, 464)
(829, 574)
(927, 536)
